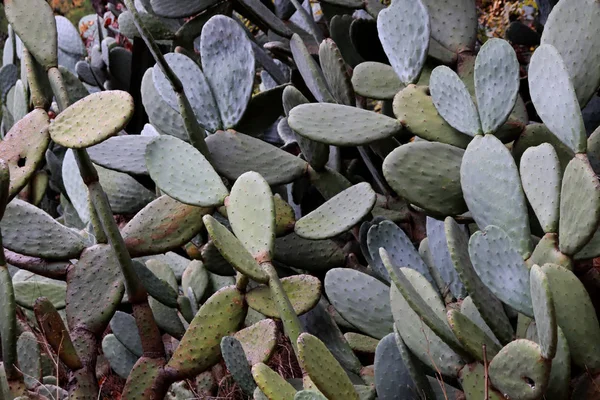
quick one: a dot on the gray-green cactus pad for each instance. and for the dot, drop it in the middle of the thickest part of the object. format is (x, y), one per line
(228, 62)
(471, 337)
(501, 268)
(338, 214)
(165, 119)
(120, 358)
(453, 101)
(376, 81)
(124, 328)
(237, 364)
(28, 230)
(122, 153)
(438, 246)
(469, 310)
(403, 29)
(392, 379)
(251, 213)
(336, 73)
(453, 23)
(559, 111)
(541, 177)
(309, 70)
(493, 191)
(575, 315)
(569, 28)
(234, 153)
(183, 173)
(341, 125)
(579, 205)
(496, 83)
(92, 119)
(195, 86)
(418, 172)
(312, 255)
(519, 370)
(543, 310)
(360, 299)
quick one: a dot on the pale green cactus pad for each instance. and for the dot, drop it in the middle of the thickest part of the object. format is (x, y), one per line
(92, 119)
(560, 112)
(471, 337)
(183, 173)
(519, 370)
(543, 310)
(303, 292)
(341, 125)
(336, 73)
(472, 379)
(405, 45)
(251, 213)
(122, 153)
(258, 340)
(453, 23)
(338, 214)
(309, 70)
(376, 81)
(493, 190)
(271, 384)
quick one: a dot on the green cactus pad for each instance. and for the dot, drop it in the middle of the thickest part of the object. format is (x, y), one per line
(167, 318)
(361, 343)
(251, 212)
(400, 249)
(453, 23)
(418, 171)
(541, 177)
(120, 358)
(228, 62)
(214, 261)
(438, 245)
(196, 89)
(590, 250)
(338, 214)
(56, 333)
(323, 369)
(536, 134)
(92, 119)
(183, 173)
(309, 70)
(285, 217)
(471, 336)
(560, 112)
(140, 386)
(27, 292)
(258, 340)
(404, 44)
(569, 28)
(195, 278)
(234, 153)
(336, 73)
(453, 101)
(519, 370)
(233, 250)
(303, 292)
(341, 125)
(95, 289)
(472, 379)
(496, 83)
(165, 119)
(122, 153)
(156, 26)
(420, 339)
(543, 310)
(575, 315)
(376, 81)
(309, 395)
(546, 251)
(579, 205)
(505, 273)
(392, 379)
(485, 301)
(124, 327)
(163, 225)
(156, 287)
(312, 255)
(469, 310)
(28, 230)
(36, 29)
(23, 148)
(28, 351)
(414, 107)
(560, 373)
(361, 299)
(415, 367)
(75, 88)
(199, 348)
(493, 191)
(125, 194)
(273, 386)
(320, 323)
(237, 364)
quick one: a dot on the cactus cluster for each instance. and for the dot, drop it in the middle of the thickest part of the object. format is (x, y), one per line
(398, 203)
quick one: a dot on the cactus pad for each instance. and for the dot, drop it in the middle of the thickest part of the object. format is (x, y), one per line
(303, 292)
(336, 73)
(237, 364)
(338, 214)
(341, 125)
(543, 310)
(30, 363)
(376, 81)
(258, 340)
(309, 70)
(271, 384)
(560, 112)
(120, 358)
(124, 327)
(323, 369)
(519, 370)
(471, 337)
(122, 153)
(404, 31)
(453, 23)
(418, 171)
(438, 245)
(312, 255)
(92, 119)
(233, 251)
(392, 379)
